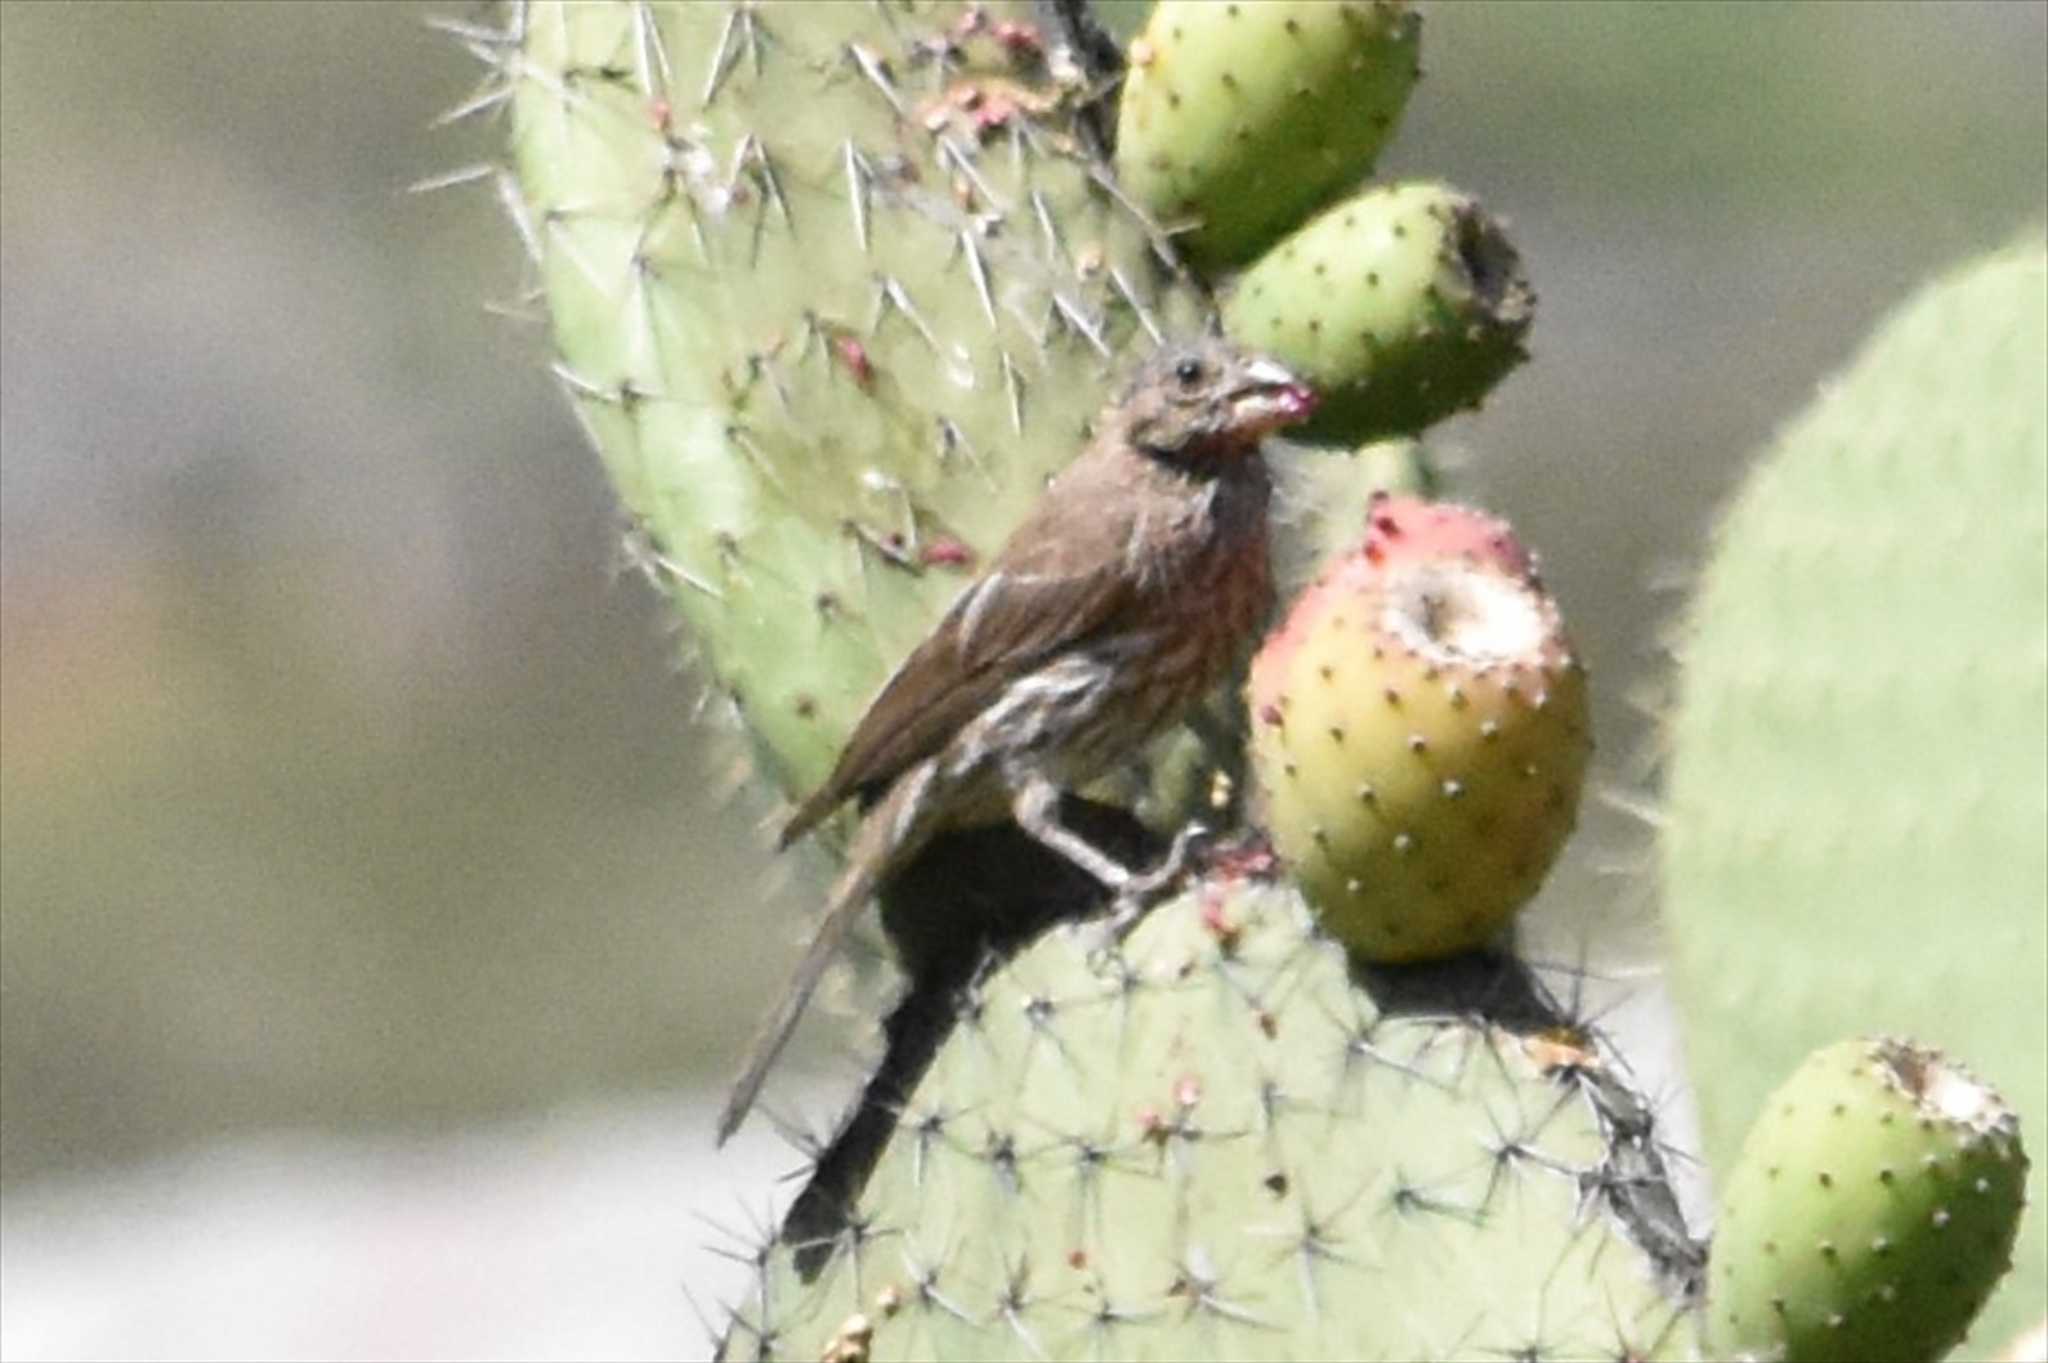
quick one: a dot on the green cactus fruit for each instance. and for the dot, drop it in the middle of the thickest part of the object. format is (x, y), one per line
(1223, 1142)
(835, 288)
(1859, 759)
(1402, 305)
(1872, 1209)
(1420, 733)
(1239, 120)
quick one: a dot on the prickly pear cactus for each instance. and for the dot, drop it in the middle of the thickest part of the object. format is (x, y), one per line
(835, 288)
(1227, 1142)
(1859, 776)
(1872, 1209)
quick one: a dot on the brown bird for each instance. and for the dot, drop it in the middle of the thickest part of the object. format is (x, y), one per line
(1122, 598)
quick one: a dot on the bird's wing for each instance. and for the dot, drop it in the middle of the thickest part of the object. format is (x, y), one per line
(1060, 579)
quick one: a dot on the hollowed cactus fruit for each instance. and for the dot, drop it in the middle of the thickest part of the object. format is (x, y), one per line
(1420, 733)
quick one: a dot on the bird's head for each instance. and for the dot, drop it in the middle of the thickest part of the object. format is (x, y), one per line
(1204, 401)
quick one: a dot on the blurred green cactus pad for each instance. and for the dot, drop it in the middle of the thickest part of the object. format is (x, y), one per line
(1859, 760)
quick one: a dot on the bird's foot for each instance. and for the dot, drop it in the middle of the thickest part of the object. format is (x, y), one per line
(1139, 892)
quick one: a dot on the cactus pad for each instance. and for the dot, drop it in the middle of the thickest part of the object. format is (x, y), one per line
(834, 288)
(1222, 1143)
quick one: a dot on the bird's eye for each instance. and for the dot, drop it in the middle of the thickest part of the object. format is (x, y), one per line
(1188, 372)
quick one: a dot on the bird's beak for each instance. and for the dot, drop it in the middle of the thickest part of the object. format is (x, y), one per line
(1267, 397)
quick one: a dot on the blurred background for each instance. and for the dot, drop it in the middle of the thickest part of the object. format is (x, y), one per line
(374, 930)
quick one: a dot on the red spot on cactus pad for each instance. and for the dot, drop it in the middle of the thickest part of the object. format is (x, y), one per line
(853, 357)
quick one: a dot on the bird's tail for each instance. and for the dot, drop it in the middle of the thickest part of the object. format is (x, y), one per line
(881, 845)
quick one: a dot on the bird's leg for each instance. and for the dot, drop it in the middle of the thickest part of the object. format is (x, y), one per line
(1036, 806)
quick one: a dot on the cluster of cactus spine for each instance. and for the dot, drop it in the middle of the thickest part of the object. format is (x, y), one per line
(829, 358)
